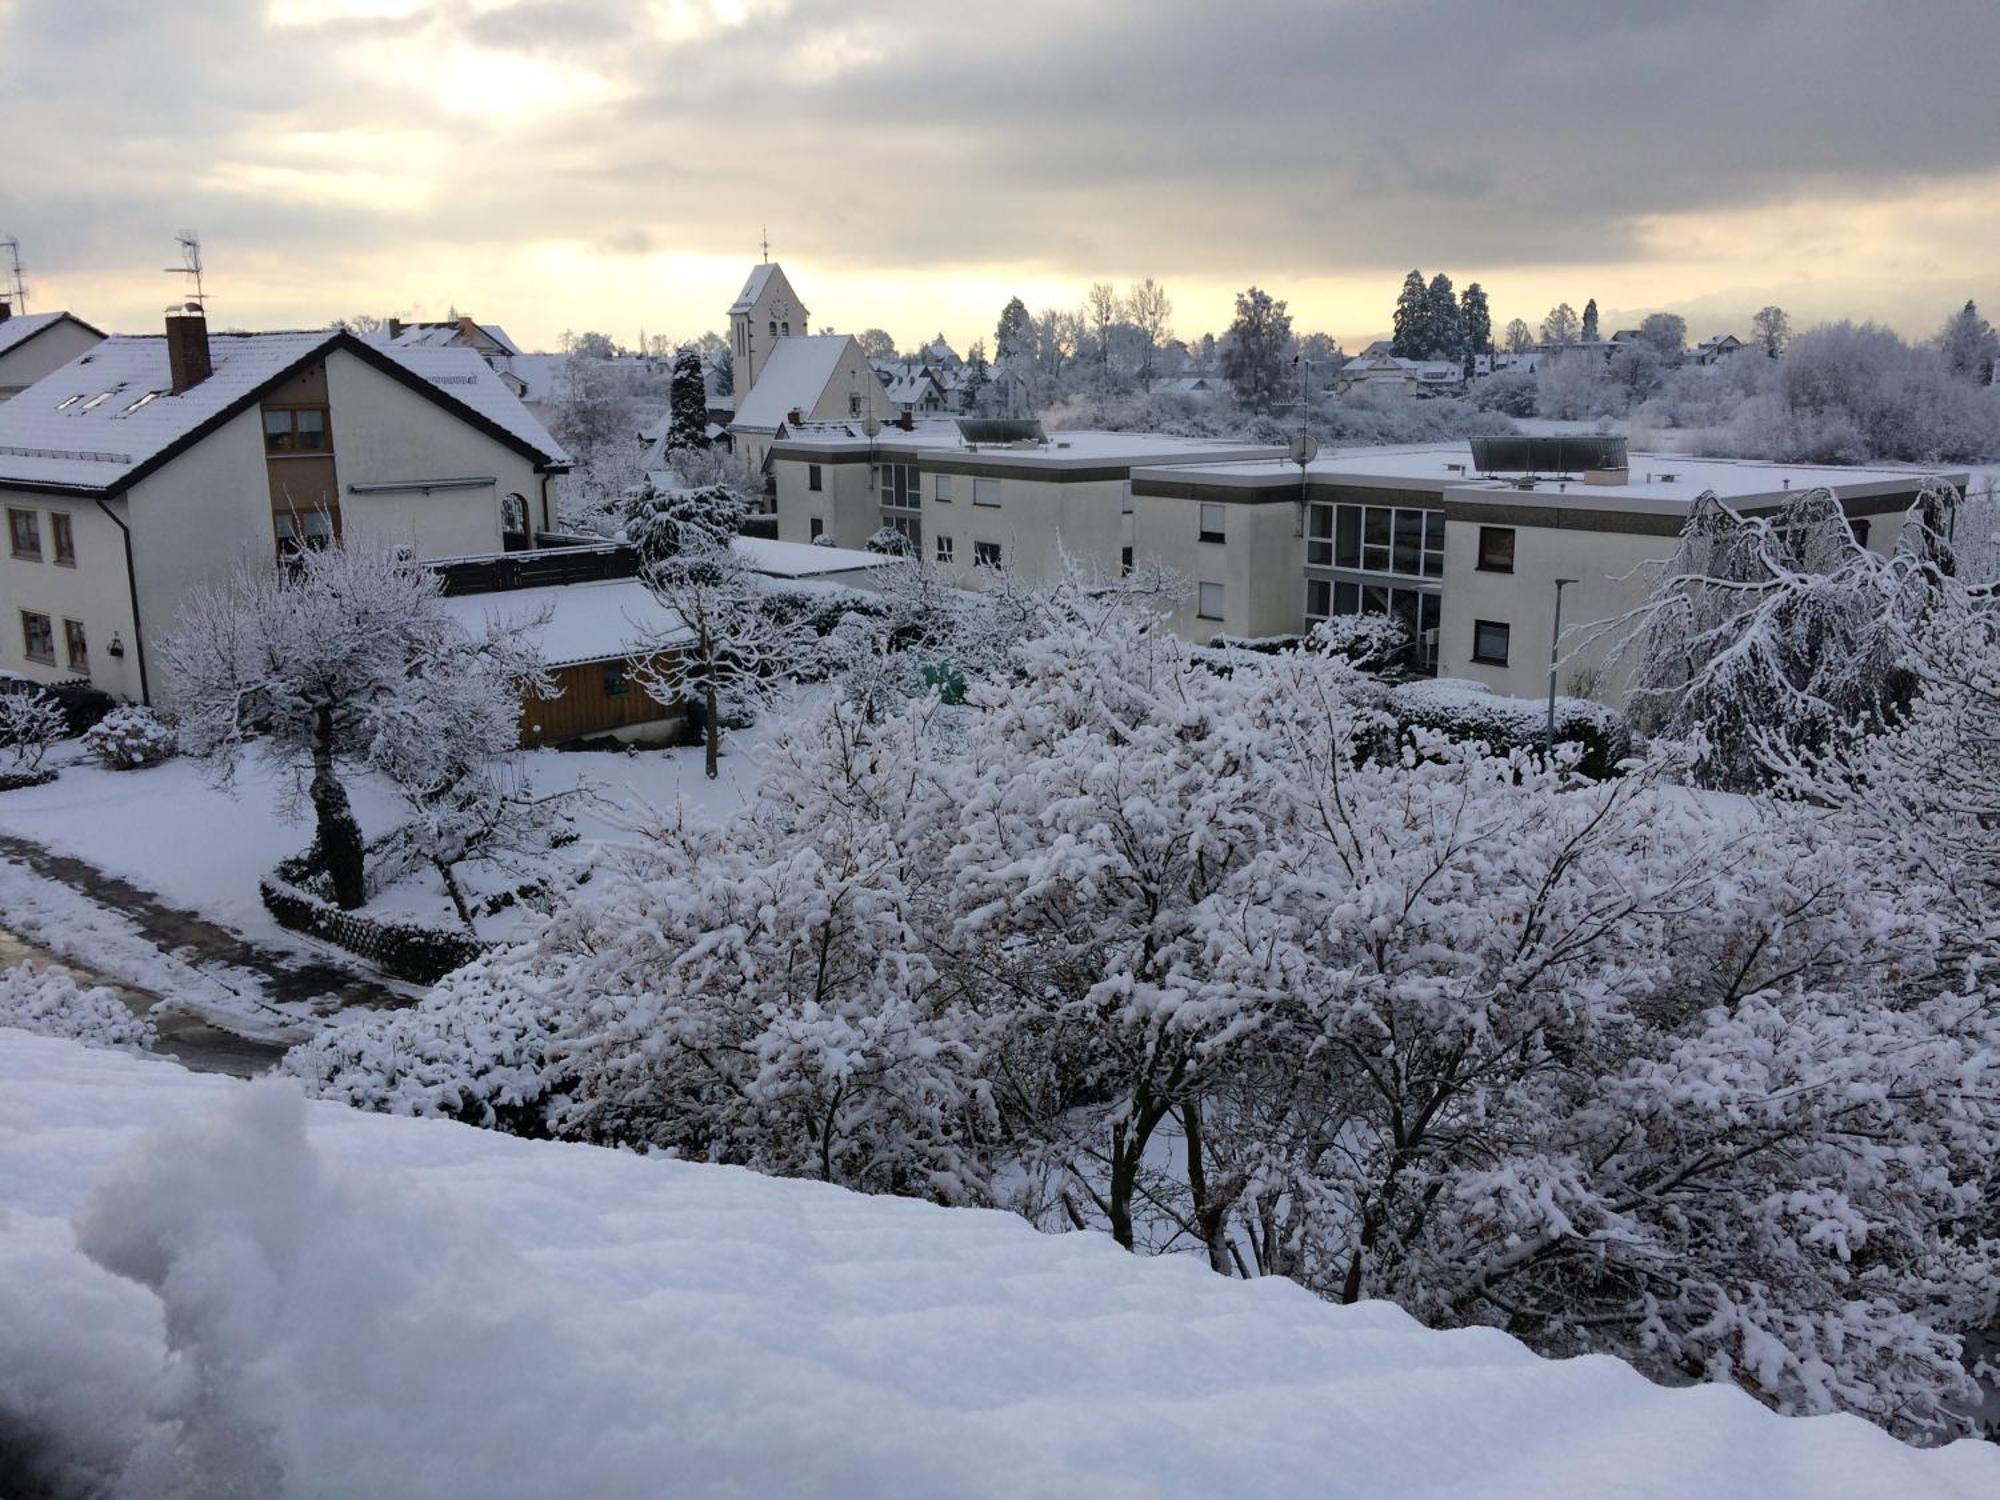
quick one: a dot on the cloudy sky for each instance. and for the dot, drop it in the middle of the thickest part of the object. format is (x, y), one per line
(611, 163)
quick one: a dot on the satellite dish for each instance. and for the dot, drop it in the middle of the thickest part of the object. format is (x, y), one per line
(872, 426)
(1304, 448)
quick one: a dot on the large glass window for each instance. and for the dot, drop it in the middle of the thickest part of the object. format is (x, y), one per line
(1418, 610)
(1376, 539)
(296, 430)
(898, 484)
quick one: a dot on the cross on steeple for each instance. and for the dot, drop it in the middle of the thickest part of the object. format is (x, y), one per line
(767, 244)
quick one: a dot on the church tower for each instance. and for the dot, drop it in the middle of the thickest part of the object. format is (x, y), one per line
(766, 310)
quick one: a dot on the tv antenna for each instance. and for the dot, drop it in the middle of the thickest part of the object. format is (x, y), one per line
(15, 289)
(190, 267)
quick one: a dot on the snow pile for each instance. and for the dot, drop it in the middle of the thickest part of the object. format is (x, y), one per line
(264, 1296)
(51, 1003)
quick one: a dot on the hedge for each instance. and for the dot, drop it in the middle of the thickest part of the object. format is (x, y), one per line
(1472, 711)
(14, 780)
(415, 951)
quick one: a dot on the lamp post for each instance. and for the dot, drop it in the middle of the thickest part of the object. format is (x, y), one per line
(1555, 646)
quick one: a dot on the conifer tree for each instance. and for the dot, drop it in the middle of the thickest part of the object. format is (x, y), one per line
(1444, 327)
(1411, 318)
(687, 420)
(1477, 319)
(1590, 335)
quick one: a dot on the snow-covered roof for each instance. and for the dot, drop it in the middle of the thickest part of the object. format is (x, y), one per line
(21, 327)
(802, 559)
(585, 622)
(444, 335)
(753, 288)
(792, 379)
(392, 1306)
(942, 442)
(105, 418)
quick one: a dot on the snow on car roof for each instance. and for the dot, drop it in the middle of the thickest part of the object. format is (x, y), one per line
(410, 1305)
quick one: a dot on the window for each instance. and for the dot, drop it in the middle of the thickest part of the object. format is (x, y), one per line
(944, 549)
(899, 485)
(944, 488)
(1860, 529)
(312, 529)
(38, 637)
(514, 522)
(985, 492)
(1319, 598)
(1212, 523)
(1125, 499)
(1417, 609)
(1376, 539)
(1124, 561)
(1208, 601)
(295, 430)
(786, 328)
(78, 646)
(854, 403)
(815, 528)
(1496, 549)
(986, 554)
(774, 328)
(616, 684)
(910, 529)
(1490, 641)
(812, 478)
(65, 539)
(25, 527)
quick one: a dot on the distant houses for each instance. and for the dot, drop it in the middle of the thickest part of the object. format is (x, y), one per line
(33, 344)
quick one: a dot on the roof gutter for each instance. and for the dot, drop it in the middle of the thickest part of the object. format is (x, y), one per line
(132, 589)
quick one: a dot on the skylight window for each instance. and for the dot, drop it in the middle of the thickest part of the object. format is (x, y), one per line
(68, 401)
(149, 396)
(95, 401)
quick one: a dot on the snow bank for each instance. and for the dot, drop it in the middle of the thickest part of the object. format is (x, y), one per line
(51, 1003)
(298, 1299)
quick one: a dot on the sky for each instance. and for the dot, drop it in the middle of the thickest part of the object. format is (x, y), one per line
(614, 164)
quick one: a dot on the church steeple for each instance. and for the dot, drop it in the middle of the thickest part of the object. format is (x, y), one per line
(766, 310)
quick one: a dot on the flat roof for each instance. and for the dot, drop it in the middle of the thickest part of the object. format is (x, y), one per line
(1669, 480)
(942, 444)
(576, 622)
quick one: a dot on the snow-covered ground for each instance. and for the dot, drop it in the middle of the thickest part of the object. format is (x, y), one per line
(364, 1305)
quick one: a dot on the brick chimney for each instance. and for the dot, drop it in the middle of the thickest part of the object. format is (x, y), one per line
(907, 422)
(6, 309)
(395, 329)
(187, 346)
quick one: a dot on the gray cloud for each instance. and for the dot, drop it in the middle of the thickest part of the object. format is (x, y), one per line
(1256, 140)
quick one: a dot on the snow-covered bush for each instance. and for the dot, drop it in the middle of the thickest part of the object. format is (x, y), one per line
(1374, 643)
(1463, 710)
(128, 737)
(30, 723)
(50, 1002)
(1129, 943)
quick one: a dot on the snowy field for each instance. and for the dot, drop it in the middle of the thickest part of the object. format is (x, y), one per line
(369, 1306)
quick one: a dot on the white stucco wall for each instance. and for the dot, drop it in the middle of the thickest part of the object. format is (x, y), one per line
(51, 349)
(1259, 563)
(383, 432)
(92, 592)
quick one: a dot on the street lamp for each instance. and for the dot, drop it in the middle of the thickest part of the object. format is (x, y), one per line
(1555, 645)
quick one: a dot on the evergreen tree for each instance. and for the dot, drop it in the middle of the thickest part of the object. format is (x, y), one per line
(1444, 326)
(687, 419)
(1253, 363)
(1014, 339)
(978, 373)
(1477, 319)
(1969, 344)
(1590, 335)
(1412, 318)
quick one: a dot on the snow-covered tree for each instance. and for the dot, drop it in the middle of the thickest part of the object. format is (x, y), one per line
(1444, 325)
(732, 649)
(1588, 333)
(1410, 324)
(1014, 337)
(687, 411)
(1572, 385)
(1770, 328)
(1151, 311)
(30, 723)
(1666, 332)
(1560, 326)
(1477, 317)
(341, 658)
(1254, 360)
(1520, 337)
(1969, 345)
(877, 343)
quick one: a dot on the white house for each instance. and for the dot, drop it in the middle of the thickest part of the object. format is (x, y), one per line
(1397, 376)
(149, 465)
(488, 340)
(32, 344)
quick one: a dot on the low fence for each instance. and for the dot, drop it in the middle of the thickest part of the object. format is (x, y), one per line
(415, 951)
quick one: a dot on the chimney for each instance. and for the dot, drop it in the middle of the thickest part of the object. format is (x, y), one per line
(6, 309)
(187, 346)
(395, 329)
(793, 417)
(907, 422)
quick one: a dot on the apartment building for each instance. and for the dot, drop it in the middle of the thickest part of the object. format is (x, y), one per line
(977, 496)
(149, 465)
(1465, 545)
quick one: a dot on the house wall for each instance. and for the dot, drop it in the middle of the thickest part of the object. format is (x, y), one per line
(587, 706)
(854, 376)
(1260, 564)
(383, 432)
(845, 504)
(51, 349)
(93, 592)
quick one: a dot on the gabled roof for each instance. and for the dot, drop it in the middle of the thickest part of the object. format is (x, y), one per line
(793, 378)
(760, 277)
(442, 335)
(18, 329)
(106, 419)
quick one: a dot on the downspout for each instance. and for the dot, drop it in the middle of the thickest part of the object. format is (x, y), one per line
(548, 521)
(132, 590)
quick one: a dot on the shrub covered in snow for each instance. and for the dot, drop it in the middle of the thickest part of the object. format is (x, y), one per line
(50, 1002)
(1131, 944)
(128, 737)
(30, 723)
(1463, 710)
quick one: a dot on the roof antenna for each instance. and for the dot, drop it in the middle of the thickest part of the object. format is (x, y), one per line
(17, 289)
(190, 267)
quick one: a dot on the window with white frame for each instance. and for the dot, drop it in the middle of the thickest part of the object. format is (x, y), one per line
(944, 487)
(898, 485)
(986, 554)
(1208, 601)
(946, 549)
(1376, 539)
